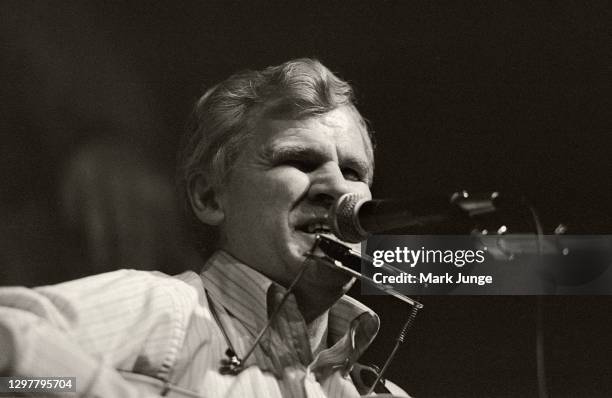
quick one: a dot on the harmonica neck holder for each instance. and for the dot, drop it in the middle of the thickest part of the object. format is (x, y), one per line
(348, 260)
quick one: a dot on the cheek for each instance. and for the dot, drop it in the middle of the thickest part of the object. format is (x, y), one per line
(287, 185)
(266, 193)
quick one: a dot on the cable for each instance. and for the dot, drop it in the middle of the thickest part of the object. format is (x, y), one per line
(540, 359)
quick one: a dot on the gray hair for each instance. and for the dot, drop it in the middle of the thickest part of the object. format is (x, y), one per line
(224, 117)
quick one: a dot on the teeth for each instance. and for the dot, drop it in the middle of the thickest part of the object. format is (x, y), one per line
(317, 227)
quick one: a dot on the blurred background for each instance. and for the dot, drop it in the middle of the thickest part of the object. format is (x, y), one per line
(500, 96)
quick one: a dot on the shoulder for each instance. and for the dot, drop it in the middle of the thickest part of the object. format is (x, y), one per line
(123, 316)
(124, 294)
(124, 283)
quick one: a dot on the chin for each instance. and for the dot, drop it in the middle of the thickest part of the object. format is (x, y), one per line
(302, 243)
(296, 256)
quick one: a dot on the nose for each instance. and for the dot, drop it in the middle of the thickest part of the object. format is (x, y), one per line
(327, 184)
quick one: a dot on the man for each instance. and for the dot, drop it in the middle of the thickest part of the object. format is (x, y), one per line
(267, 154)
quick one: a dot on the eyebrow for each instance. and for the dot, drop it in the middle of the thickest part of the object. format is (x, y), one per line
(277, 153)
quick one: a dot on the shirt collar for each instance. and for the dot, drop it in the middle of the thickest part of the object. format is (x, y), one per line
(244, 292)
(241, 290)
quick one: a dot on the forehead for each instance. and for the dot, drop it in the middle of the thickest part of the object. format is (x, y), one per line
(341, 130)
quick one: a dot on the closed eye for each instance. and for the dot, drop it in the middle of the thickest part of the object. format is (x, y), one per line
(304, 165)
(352, 174)
(307, 159)
(356, 170)
(302, 158)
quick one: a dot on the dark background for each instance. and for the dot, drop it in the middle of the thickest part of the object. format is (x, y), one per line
(501, 96)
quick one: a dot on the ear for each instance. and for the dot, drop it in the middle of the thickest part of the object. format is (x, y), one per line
(204, 201)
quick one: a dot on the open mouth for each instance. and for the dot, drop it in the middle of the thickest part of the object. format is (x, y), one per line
(315, 228)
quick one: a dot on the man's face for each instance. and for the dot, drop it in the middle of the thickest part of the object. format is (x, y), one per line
(282, 185)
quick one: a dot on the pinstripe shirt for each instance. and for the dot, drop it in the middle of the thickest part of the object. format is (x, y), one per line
(135, 333)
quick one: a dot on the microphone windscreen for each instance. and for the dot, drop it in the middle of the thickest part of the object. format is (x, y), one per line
(344, 218)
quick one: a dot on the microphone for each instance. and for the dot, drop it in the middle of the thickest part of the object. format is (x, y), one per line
(353, 217)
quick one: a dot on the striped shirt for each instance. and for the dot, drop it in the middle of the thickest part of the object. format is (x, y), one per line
(165, 335)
